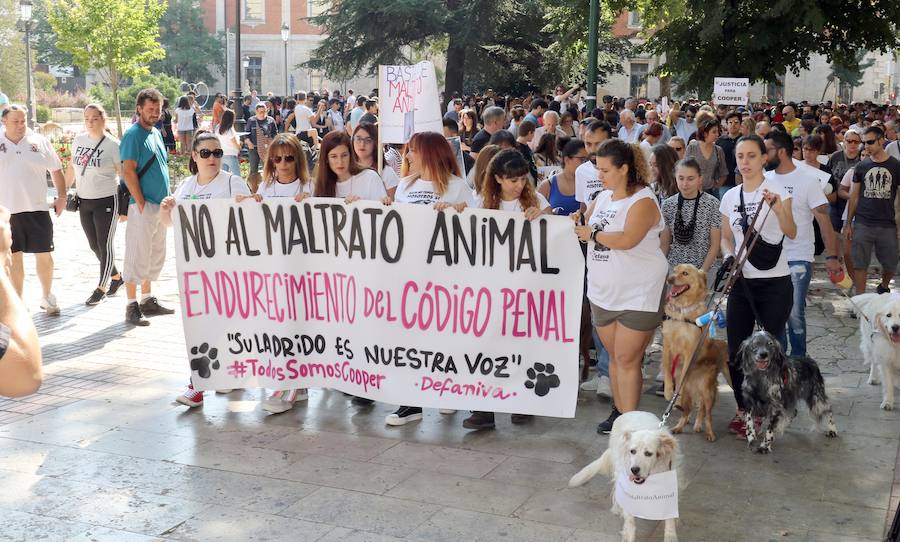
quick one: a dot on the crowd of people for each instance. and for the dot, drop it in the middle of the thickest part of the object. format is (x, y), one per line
(648, 185)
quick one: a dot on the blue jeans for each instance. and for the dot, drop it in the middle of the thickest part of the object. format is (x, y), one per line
(231, 165)
(801, 275)
(602, 355)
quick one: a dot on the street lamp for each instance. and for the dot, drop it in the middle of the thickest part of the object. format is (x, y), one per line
(25, 12)
(285, 36)
(245, 63)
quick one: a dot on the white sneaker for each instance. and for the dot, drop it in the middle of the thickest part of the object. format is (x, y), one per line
(224, 391)
(592, 384)
(603, 388)
(282, 401)
(48, 304)
(446, 411)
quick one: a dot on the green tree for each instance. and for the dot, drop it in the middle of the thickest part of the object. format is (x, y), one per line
(190, 49)
(116, 37)
(12, 54)
(501, 41)
(45, 41)
(759, 39)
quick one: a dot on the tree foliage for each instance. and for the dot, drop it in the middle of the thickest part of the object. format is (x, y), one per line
(759, 39)
(116, 37)
(168, 86)
(12, 54)
(190, 49)
(45, 41)
(504, 44)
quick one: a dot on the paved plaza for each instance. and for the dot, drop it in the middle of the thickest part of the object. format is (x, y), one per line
(103, 453)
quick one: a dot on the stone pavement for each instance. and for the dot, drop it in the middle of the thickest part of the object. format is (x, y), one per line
(102, 453)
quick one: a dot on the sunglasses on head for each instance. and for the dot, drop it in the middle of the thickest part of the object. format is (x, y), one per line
(289, 158)
(206, 153)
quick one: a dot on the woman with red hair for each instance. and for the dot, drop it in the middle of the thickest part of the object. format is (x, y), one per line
(436, 182)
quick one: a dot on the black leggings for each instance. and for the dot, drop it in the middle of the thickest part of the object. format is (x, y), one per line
(98, 219)
(773, 299)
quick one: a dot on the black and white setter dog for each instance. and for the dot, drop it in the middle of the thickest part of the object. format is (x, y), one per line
(774, 384)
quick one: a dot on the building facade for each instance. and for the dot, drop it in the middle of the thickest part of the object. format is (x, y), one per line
(880, 83)
(268, 64)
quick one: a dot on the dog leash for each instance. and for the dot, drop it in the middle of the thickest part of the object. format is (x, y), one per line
(740, 258)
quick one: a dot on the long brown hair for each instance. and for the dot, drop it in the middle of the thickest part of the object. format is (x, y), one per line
(326, 179)
(436, 160)
(289, 142)
(481, 164)
(507, 164)
(372, 131)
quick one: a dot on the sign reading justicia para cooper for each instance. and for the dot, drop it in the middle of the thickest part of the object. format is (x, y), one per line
(401, 304)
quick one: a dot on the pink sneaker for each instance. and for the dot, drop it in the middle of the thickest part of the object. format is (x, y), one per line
(191, 397)
(737, 426)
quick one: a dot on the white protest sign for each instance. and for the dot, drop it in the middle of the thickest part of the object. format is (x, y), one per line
(407, 102)
(822, 176)
(401, 304)
(656, 498)
(731, 91)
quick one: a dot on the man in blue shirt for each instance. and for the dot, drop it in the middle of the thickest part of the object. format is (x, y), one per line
(146, 172)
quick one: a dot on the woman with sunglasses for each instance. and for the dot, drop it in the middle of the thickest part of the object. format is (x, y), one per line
(677, 143)
(207, 181)
(763, 292)
(436, 182)
(285, 174)
(365, 141)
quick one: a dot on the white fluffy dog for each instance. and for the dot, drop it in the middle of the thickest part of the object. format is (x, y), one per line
(639, 447)
(879, 340)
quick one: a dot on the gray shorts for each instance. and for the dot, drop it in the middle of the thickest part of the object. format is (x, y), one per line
(636, 320)
(883, 239)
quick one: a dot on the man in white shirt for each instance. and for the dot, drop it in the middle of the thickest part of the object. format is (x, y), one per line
(630, 130)
(551, 126)
(588, 184)
(807, 202)
(684, 127)
(25, 159)
(303, 117)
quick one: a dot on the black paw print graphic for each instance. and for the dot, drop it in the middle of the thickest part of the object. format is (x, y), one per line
(204, 356)
(541, 379)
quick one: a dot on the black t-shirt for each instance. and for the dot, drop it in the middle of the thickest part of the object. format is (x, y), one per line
(879, 188)
(480, 140)
(728, 144)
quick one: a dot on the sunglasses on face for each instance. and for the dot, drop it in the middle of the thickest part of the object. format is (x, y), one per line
(852, 141)
(678, 149)
(289, 158)
(206, 153)
(870, 141)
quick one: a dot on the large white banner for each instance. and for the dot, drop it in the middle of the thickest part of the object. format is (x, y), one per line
(407, 102)
(401, 304)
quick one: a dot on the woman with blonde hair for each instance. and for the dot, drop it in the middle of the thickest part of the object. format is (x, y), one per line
(285, 174)
(626, 268)
(95, 170)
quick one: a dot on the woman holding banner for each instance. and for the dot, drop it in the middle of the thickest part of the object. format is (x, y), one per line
(626, 268)
(436, 182)
(365, 141)
(285, 174)
(507, 187)
(340, 176)
(208, 181)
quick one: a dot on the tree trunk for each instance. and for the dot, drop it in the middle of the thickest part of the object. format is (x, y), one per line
(114, 85)
(453, 78)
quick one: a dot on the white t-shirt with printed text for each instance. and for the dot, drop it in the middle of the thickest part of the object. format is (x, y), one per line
(366, 184)
(514, 206)
(771, 231)
(422, 192)
(225, 185)
(587, 183)
(99, 179)
(276, 189)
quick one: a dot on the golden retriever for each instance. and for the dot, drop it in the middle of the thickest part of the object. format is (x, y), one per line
(685, 302)
(879, 340)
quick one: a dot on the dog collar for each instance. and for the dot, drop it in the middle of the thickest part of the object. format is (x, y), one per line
(684, 311)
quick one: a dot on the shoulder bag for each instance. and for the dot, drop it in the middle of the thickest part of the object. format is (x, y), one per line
(124, 194)
(73, 202)
(764, 255)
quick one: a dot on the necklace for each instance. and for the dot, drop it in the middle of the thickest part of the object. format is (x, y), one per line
(682, 232)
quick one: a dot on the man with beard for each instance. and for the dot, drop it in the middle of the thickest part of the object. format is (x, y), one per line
(146, 173)
(807, 202)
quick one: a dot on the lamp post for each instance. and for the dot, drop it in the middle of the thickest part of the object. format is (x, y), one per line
(238, 99)
(285, 36)
(25, 11)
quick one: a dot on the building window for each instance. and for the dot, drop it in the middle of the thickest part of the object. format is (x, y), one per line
(254, 73)
(634, 19)
(316, 79)
(638, 82)
(775, 90)
(317, 7)
(254, 11)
